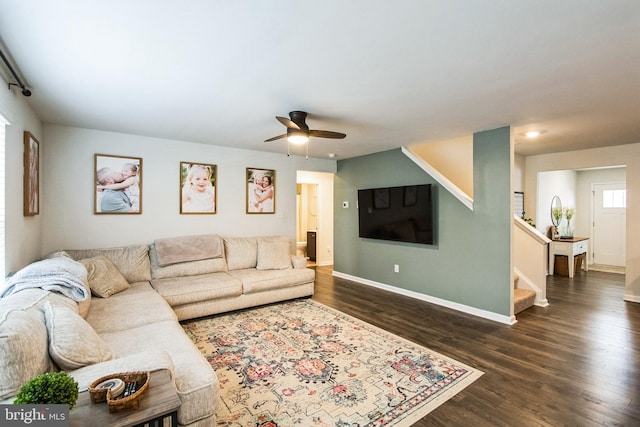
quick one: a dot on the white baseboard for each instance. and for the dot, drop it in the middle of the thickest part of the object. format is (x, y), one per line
(509, 320)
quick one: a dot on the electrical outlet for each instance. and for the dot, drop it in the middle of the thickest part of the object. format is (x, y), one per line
(396, 268)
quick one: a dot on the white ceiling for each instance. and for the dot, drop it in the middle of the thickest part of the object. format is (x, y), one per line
(385, 73)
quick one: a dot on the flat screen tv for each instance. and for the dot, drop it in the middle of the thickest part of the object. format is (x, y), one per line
(402, 214)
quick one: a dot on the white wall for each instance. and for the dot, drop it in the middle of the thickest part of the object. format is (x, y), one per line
(621, 155)
(23, 234)
(519, 167)
(555, 183)
(69, 221)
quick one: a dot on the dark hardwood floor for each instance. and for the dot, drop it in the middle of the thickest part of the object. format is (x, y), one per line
(573, 363)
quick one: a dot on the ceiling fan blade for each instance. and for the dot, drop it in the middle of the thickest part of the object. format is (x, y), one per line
(288, 123)
(326, 134)
(284, 135)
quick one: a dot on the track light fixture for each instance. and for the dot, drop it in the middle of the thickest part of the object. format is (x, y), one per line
(25, 91)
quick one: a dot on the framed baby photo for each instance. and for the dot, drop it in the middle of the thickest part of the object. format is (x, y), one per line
(31, 175)
(261, 191)
(197, 188)
(118, 184)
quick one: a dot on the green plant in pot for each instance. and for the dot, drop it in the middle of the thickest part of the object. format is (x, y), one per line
(50, 387)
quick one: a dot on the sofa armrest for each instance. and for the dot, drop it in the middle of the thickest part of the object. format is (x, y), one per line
(151, 360)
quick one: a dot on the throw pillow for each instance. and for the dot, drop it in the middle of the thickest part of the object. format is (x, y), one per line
(273, 254)
(103, 277)
(72, 341)
(241, 252)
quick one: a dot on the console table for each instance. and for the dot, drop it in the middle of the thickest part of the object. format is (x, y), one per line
(159, 403)
(570, 248)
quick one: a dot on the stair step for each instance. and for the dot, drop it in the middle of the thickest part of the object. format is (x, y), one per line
(523, 299)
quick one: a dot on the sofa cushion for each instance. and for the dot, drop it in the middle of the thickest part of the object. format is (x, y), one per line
(136, 306)
(185, 290)
(241, 252)
(103, 277)
(254, 280)
(191, 268)
(196, 382)
(72, 342)
(274, 253)
(132, 261)
(23, 349)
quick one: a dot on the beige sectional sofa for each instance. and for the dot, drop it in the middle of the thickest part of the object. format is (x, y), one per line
(130, 320)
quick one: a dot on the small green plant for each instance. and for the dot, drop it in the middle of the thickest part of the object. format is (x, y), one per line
(569, 213)
(50, 387)
(530, 221)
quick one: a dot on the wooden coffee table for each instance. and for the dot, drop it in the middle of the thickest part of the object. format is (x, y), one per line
(159, 403)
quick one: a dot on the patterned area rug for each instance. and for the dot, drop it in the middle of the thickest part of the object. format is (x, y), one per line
(301, 363)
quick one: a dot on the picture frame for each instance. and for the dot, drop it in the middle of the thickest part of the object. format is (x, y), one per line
(261, 191)
(31, 199)
(117, 184)
(198, 190)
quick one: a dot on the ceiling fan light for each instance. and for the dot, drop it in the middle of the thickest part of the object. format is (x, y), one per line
(297, 138)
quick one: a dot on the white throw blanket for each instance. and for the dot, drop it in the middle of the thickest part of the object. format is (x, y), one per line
(59, 274)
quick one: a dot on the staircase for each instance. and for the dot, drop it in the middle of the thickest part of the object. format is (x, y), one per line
(522, 298)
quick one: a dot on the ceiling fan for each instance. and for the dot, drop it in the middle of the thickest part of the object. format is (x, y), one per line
(298, 132)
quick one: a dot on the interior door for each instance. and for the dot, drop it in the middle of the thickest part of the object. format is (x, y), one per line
(609, 224)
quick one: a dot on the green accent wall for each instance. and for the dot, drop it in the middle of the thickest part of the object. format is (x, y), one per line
(470, 262)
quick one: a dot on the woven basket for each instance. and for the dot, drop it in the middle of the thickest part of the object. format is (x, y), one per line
(117, 404)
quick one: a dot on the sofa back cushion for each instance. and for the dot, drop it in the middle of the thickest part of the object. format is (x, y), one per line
(274, 253)
(23, 337)
(132, 261)
(241, 252)
(23, 349)
(190, 268)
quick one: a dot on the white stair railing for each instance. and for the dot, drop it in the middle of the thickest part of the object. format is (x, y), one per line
(530, 259)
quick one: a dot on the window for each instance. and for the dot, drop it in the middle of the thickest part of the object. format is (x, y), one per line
(3, 122)
(614, 199)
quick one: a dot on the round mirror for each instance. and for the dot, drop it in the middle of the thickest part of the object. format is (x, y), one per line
(556, 211)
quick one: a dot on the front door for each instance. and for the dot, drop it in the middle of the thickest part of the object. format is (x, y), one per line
(609, 224)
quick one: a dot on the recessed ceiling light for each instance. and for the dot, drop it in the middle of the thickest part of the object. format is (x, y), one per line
(532, 134)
